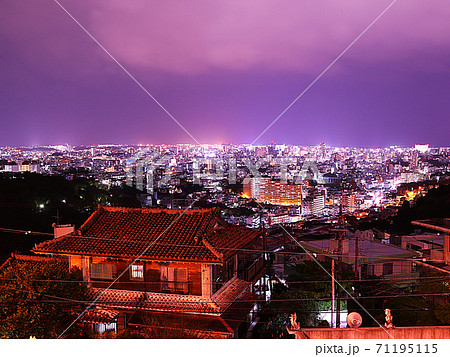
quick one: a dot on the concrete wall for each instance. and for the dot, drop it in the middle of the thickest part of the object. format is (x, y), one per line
(416, 332)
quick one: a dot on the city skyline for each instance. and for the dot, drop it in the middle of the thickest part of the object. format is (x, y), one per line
(225, 73)
(322, 144)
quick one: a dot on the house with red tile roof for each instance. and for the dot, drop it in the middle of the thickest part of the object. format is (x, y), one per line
(147, 264)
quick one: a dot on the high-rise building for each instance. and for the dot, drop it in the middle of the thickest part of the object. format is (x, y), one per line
(422, 147)
(349, 203)
(273, 192)
(252, 187)
(313, 205)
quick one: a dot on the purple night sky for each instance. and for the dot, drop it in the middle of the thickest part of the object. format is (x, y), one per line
(225, 70)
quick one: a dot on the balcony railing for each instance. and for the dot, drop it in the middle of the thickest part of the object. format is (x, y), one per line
(171, 287)
(253, 270)
(177, 287)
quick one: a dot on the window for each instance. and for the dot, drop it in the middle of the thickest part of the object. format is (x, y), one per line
(103, 271)
(100, 328)
(388, 268)
(174, 279)
(137, 272)
(217, 277)
(367, 270)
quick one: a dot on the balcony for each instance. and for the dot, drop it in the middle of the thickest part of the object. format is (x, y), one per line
(176, 287)
(170, 287)
(253, 271)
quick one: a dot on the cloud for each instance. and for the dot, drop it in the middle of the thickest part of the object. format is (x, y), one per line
(192, 37)
(300, 36)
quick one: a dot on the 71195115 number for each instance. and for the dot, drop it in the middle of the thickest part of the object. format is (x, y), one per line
(407, 348)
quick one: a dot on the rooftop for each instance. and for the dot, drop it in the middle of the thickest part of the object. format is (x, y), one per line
(33, 260)
(367, 250)
(194, 235)
(100, 316)
(437, 224)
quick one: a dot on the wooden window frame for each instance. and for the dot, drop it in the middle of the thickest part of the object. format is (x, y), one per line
(139, 269)
(170, 279)
(103, 271)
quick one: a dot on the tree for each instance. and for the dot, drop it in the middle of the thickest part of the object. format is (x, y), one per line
(308, 295)
(31, 202)
(40, 299)
(431, 309)
(427, 310)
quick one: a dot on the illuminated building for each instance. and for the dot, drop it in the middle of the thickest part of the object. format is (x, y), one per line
(273, 192)
(348, 203)
(422, 147)
(282, 218)
(313, 205)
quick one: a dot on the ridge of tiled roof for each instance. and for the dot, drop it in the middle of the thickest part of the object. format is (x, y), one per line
(90, 221)
(35, 258)
(194, 235)
(121, 232)
(220, 239)
(139, 300)
(155, 210)
(212, 249)
(209, 222)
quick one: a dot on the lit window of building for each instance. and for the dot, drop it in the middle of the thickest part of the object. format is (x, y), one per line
(137, 272)
(174, 279)
(103, 271)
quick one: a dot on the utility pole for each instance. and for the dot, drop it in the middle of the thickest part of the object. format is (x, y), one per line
(266, 268)
(340, 238)
(356, 255)
(332, 293)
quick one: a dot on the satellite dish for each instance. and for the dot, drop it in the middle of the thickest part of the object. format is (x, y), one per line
(354, 320)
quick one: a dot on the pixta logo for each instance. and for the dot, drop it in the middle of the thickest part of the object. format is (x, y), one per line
(149, 169)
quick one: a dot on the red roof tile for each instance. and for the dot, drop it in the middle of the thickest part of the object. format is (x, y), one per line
(227, 240)
(196, 235)
(139, 300)
(191, 325)
(33, 260)
(232, 290)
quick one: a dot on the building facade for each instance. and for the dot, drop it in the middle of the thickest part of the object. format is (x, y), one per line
(265, 190)
(147, 265)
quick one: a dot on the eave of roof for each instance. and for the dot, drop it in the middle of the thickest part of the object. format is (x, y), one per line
(151, 301)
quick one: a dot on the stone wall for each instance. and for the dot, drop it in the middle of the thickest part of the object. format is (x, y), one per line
(416, 332)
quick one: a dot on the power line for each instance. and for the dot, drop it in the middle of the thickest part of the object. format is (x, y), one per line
(135, 259)
(287, 282)
(397, 296)
(269, 310)
(279, 252)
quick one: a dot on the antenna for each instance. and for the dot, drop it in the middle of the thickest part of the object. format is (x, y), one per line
(57, 216)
